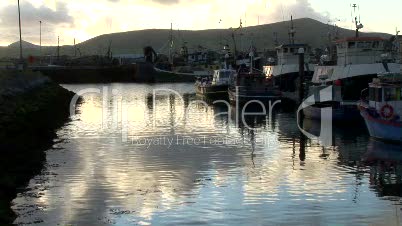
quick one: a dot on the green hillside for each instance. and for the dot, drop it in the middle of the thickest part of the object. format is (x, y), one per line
(308, 31)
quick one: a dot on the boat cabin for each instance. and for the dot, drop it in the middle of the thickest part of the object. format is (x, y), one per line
(223, 76)
(360, 50)
(386, 90)
(288, 53)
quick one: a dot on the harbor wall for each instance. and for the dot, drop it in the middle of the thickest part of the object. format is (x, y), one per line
(89, 74)
(138, 73)
(31, 109)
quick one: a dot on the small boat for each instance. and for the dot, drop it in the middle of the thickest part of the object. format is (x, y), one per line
(217, 87)
(252, 85)
(382, 109)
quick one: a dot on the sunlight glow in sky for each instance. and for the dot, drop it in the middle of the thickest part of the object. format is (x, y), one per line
(85, 19)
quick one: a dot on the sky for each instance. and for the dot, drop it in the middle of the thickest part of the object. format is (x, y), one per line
(85, 19)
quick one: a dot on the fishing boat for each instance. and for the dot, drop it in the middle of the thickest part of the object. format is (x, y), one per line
(217, 87)
(285, 71)
(358, 61)
(382, 110)
(252, 85)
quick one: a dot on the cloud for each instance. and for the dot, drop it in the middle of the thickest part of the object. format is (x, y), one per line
(299, 9)
(85, 19)
(30, 17)
(166, 2)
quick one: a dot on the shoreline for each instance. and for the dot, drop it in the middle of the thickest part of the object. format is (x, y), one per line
(32, 108)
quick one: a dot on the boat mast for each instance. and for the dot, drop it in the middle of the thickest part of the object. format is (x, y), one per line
(234, 40)
(19, 22)
(58, 48)
(292, 31)
(397, 46)
(40, 39)
(171, 44)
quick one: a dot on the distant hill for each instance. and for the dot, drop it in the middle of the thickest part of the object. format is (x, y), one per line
(25, 45)
(308, 31)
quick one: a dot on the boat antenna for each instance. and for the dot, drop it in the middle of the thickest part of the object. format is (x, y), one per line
(358, 23)
(292, 31)
(397, 43)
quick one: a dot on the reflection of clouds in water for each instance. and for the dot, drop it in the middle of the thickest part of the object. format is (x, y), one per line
(99, 176)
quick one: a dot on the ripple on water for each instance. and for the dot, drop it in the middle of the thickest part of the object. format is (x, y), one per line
(158, 167)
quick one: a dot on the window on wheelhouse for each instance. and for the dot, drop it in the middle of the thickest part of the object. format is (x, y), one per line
(364, 45)
(351, 45)
(372, 94)
(390, 94)
(375, 94)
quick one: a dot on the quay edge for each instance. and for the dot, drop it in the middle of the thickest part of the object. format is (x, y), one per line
(32, 108)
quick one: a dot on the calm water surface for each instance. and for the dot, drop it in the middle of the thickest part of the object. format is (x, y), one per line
(144, 162)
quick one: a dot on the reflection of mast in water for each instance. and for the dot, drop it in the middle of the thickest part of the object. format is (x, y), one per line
(149, 99)
(252, 140)
(302, 151)
(172, 110)
(358, 182)
(186, 99)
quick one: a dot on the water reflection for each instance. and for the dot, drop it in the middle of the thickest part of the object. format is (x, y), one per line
(166, 159)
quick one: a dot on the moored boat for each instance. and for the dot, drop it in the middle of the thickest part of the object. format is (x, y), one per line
(358, 61)
(252, 85)
(217, 87)
(285, 71)
(382, 110)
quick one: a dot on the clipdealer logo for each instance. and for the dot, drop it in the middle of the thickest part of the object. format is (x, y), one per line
(122, 122)
(325, 114)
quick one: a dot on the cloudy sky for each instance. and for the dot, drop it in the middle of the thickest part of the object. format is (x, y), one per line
(84, 19)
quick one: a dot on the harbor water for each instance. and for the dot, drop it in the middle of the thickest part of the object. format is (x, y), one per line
(137, 154)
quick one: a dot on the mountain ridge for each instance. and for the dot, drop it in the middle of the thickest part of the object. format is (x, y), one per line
(309, 31)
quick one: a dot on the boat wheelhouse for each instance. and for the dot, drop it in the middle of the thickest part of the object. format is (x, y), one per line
(382, 109)
(358, 60)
